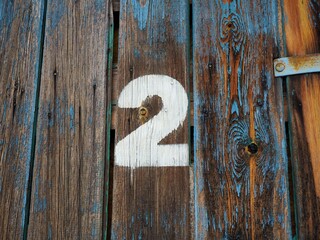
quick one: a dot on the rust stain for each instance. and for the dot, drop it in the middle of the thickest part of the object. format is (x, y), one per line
(300, 62)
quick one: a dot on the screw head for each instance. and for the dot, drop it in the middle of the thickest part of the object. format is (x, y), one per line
(280, 67)
(143, 111)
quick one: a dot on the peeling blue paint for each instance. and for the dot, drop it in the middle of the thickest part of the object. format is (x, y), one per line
(214, 223)
(1, 12)
(114, 234)
(261, 189)
(201, 184)
(238, 189)
(49, 232)
(179, 19)
(60, 113)
(203, 215)
(56, 11)
(4, 113)
(90, 120)
(1, 184)
(95, 208)
(226, 223)
(282, 189)
(165, 223)
(39, 204)
(152, 17)
(71, 115)
(140, 13)
(136, 53)
(7, 15)
(235, 108)
(219, 225)
(94, 231)
(280, 218)
(99, 4)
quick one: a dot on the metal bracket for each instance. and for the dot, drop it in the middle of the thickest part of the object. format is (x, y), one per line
(296, 65)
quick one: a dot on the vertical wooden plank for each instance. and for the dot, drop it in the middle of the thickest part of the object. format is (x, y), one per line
(302, 34)
(241, 187)
(150, 195)
(68, 180)
(20, 50)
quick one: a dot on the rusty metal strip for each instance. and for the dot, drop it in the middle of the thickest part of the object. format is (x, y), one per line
(297, 65)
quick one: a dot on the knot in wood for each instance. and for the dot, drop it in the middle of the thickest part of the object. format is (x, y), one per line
(232, 32)
(253, 148)
(242, 148)
(239, 138)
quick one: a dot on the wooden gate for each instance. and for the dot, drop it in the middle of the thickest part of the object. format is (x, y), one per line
(149, 119)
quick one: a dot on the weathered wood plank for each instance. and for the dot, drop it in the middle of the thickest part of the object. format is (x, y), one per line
(20, 51)
(241, 187)
(151, 202)
(302, 34)
(68, 179)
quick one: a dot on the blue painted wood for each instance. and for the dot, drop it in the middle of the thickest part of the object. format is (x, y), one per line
(241, 186)
(20, 62)
(67, 199)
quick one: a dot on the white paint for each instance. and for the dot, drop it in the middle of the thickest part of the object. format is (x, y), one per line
(140, 148)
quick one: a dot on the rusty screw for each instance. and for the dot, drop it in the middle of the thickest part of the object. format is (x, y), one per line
(280, 66)
(143, 112)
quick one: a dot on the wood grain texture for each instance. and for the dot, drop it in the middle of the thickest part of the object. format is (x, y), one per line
(302, 34)
(151, 202)
(68, 179)
(241, 186)
(20, 44)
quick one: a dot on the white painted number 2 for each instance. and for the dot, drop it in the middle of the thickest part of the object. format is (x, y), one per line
(140, 148)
